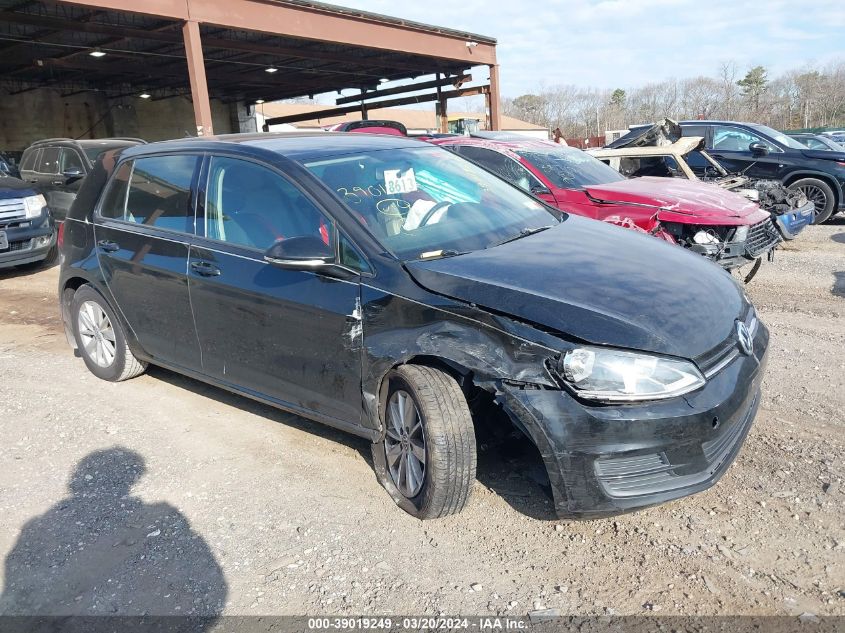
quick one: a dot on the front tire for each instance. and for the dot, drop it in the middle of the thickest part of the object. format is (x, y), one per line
(427, 457)
(818, 192)
(100, 338)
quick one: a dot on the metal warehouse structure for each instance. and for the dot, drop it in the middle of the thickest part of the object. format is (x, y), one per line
(219, 54)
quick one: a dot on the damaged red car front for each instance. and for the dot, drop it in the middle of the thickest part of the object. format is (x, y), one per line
(719, 224)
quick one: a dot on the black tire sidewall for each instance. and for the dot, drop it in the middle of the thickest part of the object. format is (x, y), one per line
(113, 371)
(416, 505)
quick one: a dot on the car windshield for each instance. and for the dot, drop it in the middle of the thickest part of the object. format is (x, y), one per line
(570, 168)
(425, 202)
(781, 138)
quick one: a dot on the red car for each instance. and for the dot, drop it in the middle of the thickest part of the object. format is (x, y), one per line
(721, 225)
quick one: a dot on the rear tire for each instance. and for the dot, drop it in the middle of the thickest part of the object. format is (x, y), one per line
(820, 193)
(436, 425)
(100, 338)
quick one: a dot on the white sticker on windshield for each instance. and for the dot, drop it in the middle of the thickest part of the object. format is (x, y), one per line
(398, 181)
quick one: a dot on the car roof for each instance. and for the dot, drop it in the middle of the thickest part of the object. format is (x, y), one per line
(294, 145)
(498, 144)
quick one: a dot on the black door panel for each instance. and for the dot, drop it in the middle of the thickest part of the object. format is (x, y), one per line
(287, 334)
(142, 231)
(146, 275)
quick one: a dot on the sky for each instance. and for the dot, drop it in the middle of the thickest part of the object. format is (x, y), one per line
(628, 43)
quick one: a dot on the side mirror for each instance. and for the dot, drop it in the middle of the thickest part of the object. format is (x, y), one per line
(71, 175)
(540, 190)
(758, 149)
(300, 253)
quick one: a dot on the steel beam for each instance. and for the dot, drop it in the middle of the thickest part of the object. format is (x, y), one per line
(196, 73)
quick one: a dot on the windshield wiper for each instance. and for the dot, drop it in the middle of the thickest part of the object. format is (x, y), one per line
(440, 254)
(523, 233)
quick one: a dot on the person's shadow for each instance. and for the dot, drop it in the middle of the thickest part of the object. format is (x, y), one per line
(102, 551)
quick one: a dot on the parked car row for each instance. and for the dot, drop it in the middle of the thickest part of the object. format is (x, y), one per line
(759, 152)
(36, 194)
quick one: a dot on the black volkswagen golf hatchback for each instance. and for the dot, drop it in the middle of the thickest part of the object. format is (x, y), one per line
(378, 284)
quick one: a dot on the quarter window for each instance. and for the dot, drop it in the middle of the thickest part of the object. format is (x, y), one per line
(160, 192)
(29, 160)
(49, 163)
(250, 205)
(114, 202)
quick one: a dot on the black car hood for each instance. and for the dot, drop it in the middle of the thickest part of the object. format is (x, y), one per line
(824, 154)
(598, 283)
(14, 188)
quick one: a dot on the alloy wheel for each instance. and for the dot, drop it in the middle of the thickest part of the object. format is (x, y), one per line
(815, 195)
(404, 444)
(97, 334)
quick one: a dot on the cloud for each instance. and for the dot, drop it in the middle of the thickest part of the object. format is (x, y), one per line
(626, 43)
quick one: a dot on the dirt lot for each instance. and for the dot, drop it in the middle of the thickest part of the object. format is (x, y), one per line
(239, 507)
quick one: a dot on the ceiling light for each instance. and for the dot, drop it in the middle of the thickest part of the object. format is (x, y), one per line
(271, 70)
(259, 101)
(383, 80)
(145, 95)
(97, 53)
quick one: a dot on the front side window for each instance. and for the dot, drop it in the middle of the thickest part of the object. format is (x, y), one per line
(426, 202)
(733, 139)
(570, 168)
(70, 161)
(501, 165)
(159, 193)
(49, 162)
(251, 205)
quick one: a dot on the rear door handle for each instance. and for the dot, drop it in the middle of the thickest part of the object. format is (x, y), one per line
(206, 269)
(108, 246)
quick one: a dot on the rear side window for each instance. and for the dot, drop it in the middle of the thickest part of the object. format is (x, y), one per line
(28, 162)
(49, 162)
(160, 192)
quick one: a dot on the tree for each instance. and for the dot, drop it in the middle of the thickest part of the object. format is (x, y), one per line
(531, 108)
(753, 85)
(617, 99)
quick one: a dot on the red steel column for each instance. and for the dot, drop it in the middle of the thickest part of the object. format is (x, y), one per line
(196, 72)
(495, 105)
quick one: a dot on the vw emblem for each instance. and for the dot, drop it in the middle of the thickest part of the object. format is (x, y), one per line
(746, 343)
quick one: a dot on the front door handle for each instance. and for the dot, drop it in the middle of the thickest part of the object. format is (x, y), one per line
(206, 269)
(108, 246)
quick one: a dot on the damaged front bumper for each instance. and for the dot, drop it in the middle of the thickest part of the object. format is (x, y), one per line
(606, 460)
(790, 224)
(760, 239)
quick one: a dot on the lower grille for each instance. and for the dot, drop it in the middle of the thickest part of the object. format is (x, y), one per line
(761, 237)
(20, 245)
(653, 473)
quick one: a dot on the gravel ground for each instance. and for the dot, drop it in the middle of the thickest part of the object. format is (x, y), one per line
(164, 496)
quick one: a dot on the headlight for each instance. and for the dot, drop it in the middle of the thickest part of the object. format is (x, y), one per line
(34, 205)
(617, 376)
(705, 237)
(741, 234)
